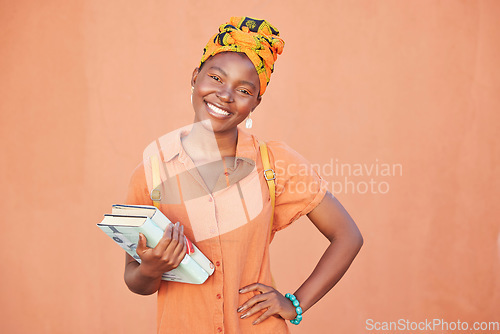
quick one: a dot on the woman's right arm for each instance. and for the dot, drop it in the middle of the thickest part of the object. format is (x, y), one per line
(144, 278)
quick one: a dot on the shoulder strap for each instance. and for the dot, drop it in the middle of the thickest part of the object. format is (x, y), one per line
(156, 176)
(155, 169)
(270, 177)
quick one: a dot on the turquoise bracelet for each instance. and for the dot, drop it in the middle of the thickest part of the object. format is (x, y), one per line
(298, 309)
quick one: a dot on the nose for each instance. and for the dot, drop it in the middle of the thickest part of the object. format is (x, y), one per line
(225, 95)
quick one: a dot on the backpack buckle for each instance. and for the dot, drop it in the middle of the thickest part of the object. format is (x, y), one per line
(269, 178)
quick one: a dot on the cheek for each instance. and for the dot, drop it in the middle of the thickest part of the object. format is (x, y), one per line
(251, 104)
(205, 85)
(245, 106)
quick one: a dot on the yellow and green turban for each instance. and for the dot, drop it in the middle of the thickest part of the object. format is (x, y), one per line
(258, 39)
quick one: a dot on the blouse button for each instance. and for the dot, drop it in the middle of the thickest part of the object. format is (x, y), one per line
(210, 199)
(219, 296)
(217, 263)
(219, 329)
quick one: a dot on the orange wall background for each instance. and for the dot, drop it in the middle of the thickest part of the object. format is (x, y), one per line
(86, 85)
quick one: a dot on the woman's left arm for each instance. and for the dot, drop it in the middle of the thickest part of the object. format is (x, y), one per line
(333, 221)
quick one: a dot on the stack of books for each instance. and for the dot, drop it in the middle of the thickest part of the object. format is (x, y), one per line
(125, 223)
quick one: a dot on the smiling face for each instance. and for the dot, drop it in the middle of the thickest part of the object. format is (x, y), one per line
(226, 90)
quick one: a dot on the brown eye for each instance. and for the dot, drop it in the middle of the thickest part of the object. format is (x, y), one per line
(246, 92)
(216, 78)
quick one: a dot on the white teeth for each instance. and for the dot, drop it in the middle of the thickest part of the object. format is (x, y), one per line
(217, 110)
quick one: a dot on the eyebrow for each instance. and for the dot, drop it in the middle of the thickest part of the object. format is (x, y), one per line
(225, 74)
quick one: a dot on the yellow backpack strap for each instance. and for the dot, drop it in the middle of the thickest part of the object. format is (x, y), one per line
(270, 177)
(155, 169)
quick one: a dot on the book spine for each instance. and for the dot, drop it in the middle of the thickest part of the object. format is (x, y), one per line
(202, 260)
(160, 219)
(188, 271)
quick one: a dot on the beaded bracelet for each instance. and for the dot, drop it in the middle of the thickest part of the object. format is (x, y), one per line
(298, 309)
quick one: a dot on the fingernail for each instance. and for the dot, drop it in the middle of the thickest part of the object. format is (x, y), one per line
(254, 323)
(240, 290)
(239, 309)
(244, 316)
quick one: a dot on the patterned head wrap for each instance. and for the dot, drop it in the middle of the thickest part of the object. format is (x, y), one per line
(258, 39)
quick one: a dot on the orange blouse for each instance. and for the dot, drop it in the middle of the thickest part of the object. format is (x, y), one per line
(230, 225)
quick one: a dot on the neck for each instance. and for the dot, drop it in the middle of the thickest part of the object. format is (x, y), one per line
(203, 145)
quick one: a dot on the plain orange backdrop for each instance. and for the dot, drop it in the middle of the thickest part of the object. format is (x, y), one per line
(86, 85)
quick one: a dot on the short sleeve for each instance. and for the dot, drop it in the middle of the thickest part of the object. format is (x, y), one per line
(299, 187)
(138, 193)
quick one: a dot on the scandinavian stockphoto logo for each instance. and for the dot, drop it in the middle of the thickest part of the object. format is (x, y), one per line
(373, 177)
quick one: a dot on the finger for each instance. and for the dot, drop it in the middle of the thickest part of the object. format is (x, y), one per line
(174, 241)
(262, 288)
(264, 316)
(168, 231)
(256, 308)
(181, 256)
(178, 251)
(175, 255)
(165, 240)
(175, 231)
(141, 245)
(252, 301)
(181, 240)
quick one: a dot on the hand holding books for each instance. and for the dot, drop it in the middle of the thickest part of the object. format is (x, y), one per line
(167, 255)
(161, 245)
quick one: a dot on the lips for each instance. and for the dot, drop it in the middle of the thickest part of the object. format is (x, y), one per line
(217, 112)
